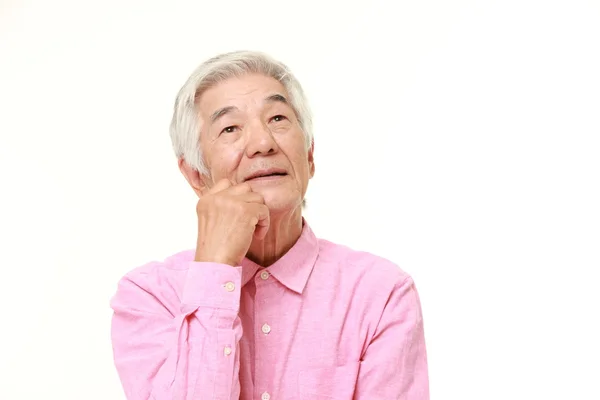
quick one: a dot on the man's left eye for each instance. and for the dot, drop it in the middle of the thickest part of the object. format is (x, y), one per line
(278, 118)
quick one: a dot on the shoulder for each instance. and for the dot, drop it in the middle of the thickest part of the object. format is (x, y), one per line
(159, 281)
(369, 268)
(368, 284)
(170, 266)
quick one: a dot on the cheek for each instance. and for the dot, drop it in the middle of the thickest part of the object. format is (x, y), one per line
(224, 161)
(230, 160)
(301, 165)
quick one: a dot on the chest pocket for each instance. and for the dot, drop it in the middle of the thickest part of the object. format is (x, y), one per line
(328, 383)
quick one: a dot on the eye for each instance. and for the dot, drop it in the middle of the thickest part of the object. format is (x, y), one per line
(229, 129)
(278, 118)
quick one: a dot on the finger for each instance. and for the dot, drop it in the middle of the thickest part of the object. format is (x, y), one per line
(240, 188)
(263, 221)
(252, 197)
(221, 185)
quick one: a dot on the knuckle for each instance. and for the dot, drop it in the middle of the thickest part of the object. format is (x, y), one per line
(218, 199)
(240, 207)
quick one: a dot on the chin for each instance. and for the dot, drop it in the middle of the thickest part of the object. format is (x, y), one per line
(280, 201)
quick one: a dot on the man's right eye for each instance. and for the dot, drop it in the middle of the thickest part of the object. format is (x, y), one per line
(229, 129)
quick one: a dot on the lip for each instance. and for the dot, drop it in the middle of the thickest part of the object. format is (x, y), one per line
(266, 174)
(266, 179)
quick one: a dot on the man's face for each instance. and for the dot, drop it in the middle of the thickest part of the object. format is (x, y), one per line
(248, 128)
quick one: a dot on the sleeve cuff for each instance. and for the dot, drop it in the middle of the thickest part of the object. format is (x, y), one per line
(212, 285)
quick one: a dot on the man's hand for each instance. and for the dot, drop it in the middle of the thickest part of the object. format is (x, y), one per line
(229, 216)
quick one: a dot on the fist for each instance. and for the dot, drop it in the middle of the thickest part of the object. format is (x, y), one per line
(229, 217)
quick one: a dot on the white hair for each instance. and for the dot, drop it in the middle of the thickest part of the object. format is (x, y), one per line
(185, 129)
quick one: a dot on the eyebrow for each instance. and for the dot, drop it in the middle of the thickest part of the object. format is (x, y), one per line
(274, 98)
(221, 112)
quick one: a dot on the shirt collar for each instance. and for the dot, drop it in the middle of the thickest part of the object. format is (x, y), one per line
(294, 268)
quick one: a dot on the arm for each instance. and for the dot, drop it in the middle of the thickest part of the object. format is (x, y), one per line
(190, 352)
(394, 365)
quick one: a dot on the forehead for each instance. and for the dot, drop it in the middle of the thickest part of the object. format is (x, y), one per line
(241, 92)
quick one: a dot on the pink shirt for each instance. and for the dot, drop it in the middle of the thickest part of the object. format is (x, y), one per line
(323, 322)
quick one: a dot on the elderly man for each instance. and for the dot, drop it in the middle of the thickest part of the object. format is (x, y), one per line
(261, 308)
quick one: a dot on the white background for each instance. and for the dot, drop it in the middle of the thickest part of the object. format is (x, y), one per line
(458, 138)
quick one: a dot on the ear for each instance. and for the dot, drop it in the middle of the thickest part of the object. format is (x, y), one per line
(311, 159)
(196, 181)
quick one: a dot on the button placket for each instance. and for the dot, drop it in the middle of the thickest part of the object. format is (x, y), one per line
(264, 314)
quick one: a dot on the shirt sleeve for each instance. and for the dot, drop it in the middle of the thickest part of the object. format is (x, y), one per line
(165, 348)
(394, 366)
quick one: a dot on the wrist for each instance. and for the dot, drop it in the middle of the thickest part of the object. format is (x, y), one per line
(213, 259)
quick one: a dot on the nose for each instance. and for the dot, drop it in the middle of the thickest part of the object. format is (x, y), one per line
(260, 140)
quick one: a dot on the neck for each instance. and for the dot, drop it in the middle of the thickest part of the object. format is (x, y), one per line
(284, 231)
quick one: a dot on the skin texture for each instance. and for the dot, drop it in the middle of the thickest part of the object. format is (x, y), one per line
(247, 127)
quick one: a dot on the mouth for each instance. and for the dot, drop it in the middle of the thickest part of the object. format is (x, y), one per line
(266, 175)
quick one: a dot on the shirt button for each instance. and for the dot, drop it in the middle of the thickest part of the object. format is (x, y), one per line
(229, 286)
(264, 275)
(266, 329)
(227, 350)
(265, 396)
